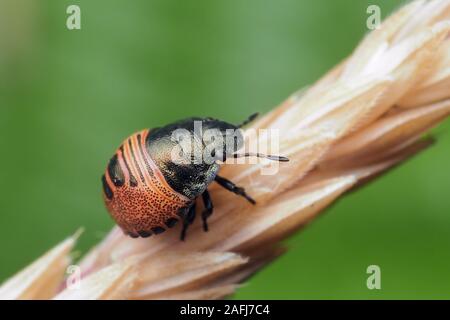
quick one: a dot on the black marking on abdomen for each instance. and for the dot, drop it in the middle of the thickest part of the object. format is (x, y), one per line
(115, 172)
(158, 230)
(133, 235)
(171, 222)
(106, 189)
(144, 234)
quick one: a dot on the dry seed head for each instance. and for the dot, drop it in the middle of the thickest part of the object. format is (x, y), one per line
(363, 117)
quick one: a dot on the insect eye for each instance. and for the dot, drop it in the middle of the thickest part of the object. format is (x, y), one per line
(106, 189)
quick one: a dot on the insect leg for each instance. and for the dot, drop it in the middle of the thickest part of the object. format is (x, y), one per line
(208, 209)
(227, 184)
(188, 218)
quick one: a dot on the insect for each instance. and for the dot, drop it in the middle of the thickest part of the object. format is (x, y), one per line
(148, 187)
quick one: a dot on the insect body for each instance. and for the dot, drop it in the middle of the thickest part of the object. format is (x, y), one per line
(151, 183)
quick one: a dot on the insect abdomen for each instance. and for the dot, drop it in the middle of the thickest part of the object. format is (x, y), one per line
(136, 194)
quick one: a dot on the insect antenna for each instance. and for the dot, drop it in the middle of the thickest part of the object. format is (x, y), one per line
(261, 155)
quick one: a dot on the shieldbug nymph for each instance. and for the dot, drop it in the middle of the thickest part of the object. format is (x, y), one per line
(147, 191)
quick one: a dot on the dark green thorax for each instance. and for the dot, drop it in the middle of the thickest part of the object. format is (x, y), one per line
(192, 175)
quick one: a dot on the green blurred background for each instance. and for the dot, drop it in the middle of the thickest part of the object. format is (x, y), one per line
(67, 98)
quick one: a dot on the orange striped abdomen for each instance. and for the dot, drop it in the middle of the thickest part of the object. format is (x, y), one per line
(136, 193)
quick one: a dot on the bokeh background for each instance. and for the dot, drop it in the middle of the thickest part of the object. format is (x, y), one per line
(68, 98)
